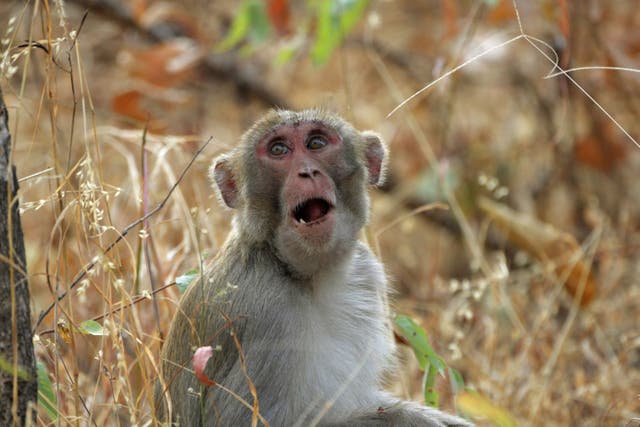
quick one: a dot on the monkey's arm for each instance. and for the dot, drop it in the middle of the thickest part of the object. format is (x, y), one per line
(397, 413)
(203, 319)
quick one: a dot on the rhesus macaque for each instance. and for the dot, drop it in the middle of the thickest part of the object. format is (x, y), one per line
(302, 296)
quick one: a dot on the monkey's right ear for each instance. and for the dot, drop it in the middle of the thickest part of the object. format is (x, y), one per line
(222, 174)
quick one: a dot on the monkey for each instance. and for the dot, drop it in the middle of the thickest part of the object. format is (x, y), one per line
(294, 302)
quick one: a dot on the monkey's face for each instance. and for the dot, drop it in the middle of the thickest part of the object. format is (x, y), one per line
(306, 161)
(303, 185)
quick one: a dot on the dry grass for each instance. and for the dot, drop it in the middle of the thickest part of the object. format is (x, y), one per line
(495, 127)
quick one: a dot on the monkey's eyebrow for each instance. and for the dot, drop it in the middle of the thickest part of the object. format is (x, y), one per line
(267, 135)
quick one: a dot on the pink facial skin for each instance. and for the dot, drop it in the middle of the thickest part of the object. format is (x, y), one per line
(302, 158)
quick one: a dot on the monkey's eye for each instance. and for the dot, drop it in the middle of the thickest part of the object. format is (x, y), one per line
(278, 148)
(316, 142)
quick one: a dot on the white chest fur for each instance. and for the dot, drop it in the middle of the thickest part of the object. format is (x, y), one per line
(349, 341)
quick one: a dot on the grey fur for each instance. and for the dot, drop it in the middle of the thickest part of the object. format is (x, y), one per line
(311, 321)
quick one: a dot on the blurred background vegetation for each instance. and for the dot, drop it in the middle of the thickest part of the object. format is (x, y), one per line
(525, 276)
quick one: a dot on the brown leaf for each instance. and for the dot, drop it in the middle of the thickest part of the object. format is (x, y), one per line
(597, 154)
(548, 245)
(200, 359)
(600, 149)
(63, 331)
(131, 104)
(166, 64)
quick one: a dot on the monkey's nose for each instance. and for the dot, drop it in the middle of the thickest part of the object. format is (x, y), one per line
(308, 171)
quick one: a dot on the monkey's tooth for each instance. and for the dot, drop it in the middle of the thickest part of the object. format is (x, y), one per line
(302, 221)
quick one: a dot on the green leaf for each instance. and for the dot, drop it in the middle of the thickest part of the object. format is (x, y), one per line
(440, 365)
(259, 27)
(429, 183)
(239, 29)
(418, 340)
(91, 327)
(429, 361)
(7, 367)
(455, 380)
(185, 280)
(284, 55)
(250, 22)
(46, 396)
(475, 405)
(335, 19)
(430, 394)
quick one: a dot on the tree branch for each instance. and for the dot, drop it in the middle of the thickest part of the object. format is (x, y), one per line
(222, 66)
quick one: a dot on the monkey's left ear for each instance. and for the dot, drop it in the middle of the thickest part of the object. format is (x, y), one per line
(375, 155)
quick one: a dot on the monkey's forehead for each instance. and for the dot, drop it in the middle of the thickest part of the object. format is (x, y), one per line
(275, 119)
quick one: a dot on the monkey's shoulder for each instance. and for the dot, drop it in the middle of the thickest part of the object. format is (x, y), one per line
(367, 269)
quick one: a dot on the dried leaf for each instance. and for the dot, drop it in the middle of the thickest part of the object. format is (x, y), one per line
(130, 104)
(600, 154)
(200, 359)
(63, 331)
(550, 246)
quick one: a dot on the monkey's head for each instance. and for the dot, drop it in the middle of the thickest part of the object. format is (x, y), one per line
(299, 183)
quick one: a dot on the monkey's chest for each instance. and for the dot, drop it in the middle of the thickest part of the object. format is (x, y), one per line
(344, 348)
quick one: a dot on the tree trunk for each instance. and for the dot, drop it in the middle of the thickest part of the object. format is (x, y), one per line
(18, 387)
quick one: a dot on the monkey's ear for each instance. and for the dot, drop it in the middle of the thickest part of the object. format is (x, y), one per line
(222, 174)
(375, 155)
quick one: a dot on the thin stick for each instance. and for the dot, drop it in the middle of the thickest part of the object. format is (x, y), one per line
(133, 301)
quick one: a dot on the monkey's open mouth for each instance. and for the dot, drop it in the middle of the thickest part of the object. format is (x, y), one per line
(312, 210)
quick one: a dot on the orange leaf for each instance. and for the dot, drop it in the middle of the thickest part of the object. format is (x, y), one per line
(279, 15)
(450, 14)
(502, 12)
(134, 105)
(548, 245)
(564, 20)
(200, 359)
(128, 104)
